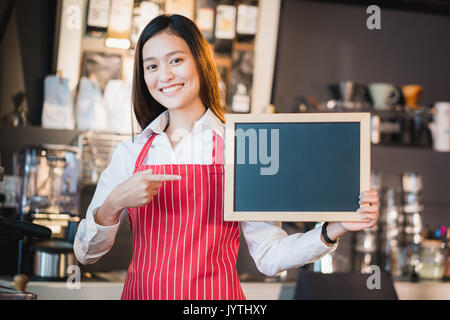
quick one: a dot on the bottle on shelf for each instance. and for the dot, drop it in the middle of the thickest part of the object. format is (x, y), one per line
(241, 100)
(204, 18)
(97, 18)
(247, 20)
(225, 26)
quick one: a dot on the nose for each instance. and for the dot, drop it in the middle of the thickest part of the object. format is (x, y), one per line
(166, 73)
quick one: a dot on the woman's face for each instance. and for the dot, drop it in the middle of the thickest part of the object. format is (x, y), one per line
(170, 71)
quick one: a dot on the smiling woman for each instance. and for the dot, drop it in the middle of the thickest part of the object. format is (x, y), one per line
(175, 66)
(169, 181)
(170, 72)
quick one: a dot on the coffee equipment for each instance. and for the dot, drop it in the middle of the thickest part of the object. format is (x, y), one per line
(349, 96)
(17, 229)
(51, 176)
(384, 95)
(411, 94)
(401, 230)
(440, 127)
(412, 208)
(52, 258)
(96, 152)
(391, 223)
(50, 198)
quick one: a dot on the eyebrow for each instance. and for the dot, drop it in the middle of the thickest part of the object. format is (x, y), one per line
(166, 55)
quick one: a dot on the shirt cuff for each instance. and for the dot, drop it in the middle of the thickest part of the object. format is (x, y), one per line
(93, 240)
(98, 231)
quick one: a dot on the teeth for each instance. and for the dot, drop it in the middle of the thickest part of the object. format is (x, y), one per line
(171, 89)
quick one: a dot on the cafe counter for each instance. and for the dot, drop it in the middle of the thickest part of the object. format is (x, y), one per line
(426, 290)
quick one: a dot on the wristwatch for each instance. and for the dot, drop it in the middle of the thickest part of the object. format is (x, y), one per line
(325, 235)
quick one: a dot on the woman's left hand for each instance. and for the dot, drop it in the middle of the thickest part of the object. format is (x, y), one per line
(369, 209)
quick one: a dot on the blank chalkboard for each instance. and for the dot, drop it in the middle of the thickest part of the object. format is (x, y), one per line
(296, 167)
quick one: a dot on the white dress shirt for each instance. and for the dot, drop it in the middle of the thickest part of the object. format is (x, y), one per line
(269, 245)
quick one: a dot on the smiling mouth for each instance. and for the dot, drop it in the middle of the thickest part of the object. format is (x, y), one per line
(168, 91)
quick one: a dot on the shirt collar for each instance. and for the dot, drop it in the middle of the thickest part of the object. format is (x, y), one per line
(158, 125)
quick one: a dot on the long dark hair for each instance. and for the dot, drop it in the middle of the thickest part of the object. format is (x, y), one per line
(146, 108)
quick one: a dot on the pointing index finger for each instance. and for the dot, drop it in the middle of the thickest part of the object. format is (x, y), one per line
(163, 177)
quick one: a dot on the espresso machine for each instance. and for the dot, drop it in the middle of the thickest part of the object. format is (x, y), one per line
(16, 230)
(50, 198)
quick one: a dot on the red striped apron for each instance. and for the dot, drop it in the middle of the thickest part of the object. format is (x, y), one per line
(182, 247)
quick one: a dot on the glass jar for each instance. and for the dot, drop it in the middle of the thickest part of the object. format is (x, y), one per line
(432, 257)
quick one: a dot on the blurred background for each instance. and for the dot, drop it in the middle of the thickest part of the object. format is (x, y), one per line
(65, 103)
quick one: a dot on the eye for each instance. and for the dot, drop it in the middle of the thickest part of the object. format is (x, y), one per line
(151, 67)
(176, 61)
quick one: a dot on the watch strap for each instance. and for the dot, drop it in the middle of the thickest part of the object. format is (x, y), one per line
(325, 235)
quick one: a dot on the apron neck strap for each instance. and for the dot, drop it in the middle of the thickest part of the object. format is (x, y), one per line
(144, 152)
(217, 150)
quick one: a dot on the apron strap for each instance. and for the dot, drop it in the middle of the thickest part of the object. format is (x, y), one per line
(144, 152)
(217, 150)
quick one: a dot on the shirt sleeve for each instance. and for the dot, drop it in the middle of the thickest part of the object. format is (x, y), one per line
(274, 251)
(92, 240)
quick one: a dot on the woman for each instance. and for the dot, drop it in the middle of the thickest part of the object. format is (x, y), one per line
(169, 180)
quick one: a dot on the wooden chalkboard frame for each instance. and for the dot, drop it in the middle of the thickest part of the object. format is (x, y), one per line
(232, 119)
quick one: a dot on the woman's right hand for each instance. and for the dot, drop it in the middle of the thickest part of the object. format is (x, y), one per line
(137, 191)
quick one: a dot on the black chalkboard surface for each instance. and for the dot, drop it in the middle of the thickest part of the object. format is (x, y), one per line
(294, 167)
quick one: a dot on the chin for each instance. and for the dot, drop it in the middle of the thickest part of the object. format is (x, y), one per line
(172, 105)
(175, 103)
